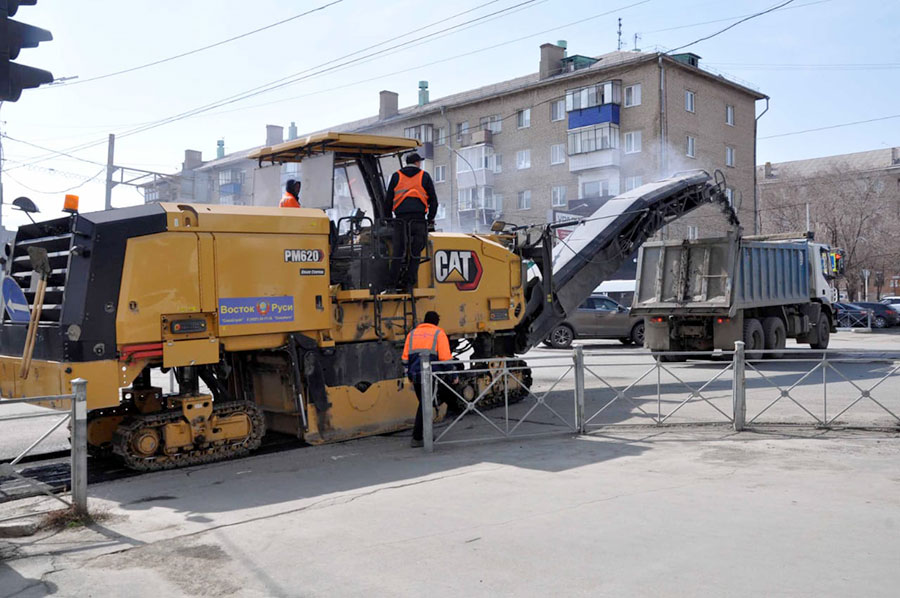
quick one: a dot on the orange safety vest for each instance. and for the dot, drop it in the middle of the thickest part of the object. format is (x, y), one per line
(288, 201)
(427, 339)
(409, 186)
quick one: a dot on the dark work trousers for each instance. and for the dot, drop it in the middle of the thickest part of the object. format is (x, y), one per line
(405, 268)
(417, 428)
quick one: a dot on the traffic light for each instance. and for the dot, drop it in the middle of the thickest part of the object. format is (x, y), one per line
(13, 37)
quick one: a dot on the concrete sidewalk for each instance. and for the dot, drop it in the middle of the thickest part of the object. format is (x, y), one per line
(677, 512)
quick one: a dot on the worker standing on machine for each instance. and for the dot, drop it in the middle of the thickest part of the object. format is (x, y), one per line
(291, 197)
(413, 200)
(425, 339)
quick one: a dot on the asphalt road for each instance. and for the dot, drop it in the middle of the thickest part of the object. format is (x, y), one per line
(641, 393)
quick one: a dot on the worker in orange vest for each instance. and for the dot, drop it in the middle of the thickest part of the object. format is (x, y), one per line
(412, 199)
(426, 339)
(291, 197)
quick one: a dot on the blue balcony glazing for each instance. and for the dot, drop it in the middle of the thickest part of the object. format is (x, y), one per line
(605, 113)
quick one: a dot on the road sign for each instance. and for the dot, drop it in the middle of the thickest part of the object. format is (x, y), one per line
(14, 301)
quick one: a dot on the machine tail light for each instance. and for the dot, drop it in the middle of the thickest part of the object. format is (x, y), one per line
(722, 320)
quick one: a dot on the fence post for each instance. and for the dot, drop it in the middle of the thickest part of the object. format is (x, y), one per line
(79, 445)
(427, 405)
(578, 357)
(739, 396)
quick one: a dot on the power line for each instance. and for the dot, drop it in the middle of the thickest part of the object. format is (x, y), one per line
(302, 75)
(722, 20)
(196, 50)
(47, 149)
(836, 66)
(858, 122)
(735, 24)
(61, 191)
(440, 61)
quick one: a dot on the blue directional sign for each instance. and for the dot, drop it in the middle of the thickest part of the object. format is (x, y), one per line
(14, 301)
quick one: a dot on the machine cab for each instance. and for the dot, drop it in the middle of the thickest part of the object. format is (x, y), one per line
(345, 174)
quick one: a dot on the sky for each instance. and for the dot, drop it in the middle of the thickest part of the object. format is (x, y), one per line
(822, 62)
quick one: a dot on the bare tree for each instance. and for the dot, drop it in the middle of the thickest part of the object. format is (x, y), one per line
(854, 211)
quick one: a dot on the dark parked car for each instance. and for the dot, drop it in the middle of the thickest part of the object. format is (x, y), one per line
(598, 317)
(882, 315)
(851, 316)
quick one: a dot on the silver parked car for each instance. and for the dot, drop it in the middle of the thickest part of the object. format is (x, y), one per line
(598, 317)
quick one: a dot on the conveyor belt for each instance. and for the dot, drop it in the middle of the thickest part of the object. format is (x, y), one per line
(600, 244)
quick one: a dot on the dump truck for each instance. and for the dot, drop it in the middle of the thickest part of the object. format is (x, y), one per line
(706, 294)
(281, 319)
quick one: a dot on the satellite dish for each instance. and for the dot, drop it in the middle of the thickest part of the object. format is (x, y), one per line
(26, 205)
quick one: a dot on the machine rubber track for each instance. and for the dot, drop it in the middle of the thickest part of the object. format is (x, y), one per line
(196, 456)
(495, 399)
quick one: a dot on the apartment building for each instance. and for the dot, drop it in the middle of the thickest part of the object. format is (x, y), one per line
(581, 130)
(229, 179)
(559, 142)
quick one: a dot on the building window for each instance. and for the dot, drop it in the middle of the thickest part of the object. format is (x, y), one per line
(557, 110)
(524, 200)
(498, 163)
(633, 95)
(466, 198)
(461, 129)
(633, 182)
(441, 137)
(693, 232)
(689, 147)
(632, 142)
(593, 95)
(591, 139)
(558, 197)
(729, 195)
(493, 123)
(151, 194)
(729, 156)
(523, 118)
(423, 133)
(689, 100)
(729, 114)
(523, 159)
(441, 212)
(440, 174)
(594, 189)
(498, 202)
(487, 200)
(558, 153)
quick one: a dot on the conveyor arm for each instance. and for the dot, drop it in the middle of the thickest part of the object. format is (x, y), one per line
(601, 243)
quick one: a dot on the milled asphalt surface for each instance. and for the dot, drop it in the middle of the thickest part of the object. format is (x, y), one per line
(673, 511)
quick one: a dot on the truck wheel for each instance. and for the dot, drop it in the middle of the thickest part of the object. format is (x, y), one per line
(821, 334)
(754, 339)
(775, 337)
(637, 334)
(561, 337)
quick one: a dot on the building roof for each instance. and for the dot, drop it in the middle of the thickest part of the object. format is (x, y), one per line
(605, 61)
(869, 161)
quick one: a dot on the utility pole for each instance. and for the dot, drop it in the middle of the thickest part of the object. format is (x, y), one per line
(110, 169)
(620, 34)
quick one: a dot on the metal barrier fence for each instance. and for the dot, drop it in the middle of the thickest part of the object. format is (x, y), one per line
(77, 416)
(848, 320)
(587, 391)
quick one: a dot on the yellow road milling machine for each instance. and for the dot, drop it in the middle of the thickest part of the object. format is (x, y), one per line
(279, 318)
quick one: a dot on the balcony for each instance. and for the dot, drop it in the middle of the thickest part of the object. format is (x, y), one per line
(597, 159)
(595, 115)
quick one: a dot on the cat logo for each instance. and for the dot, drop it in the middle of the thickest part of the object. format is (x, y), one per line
(462, 268)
